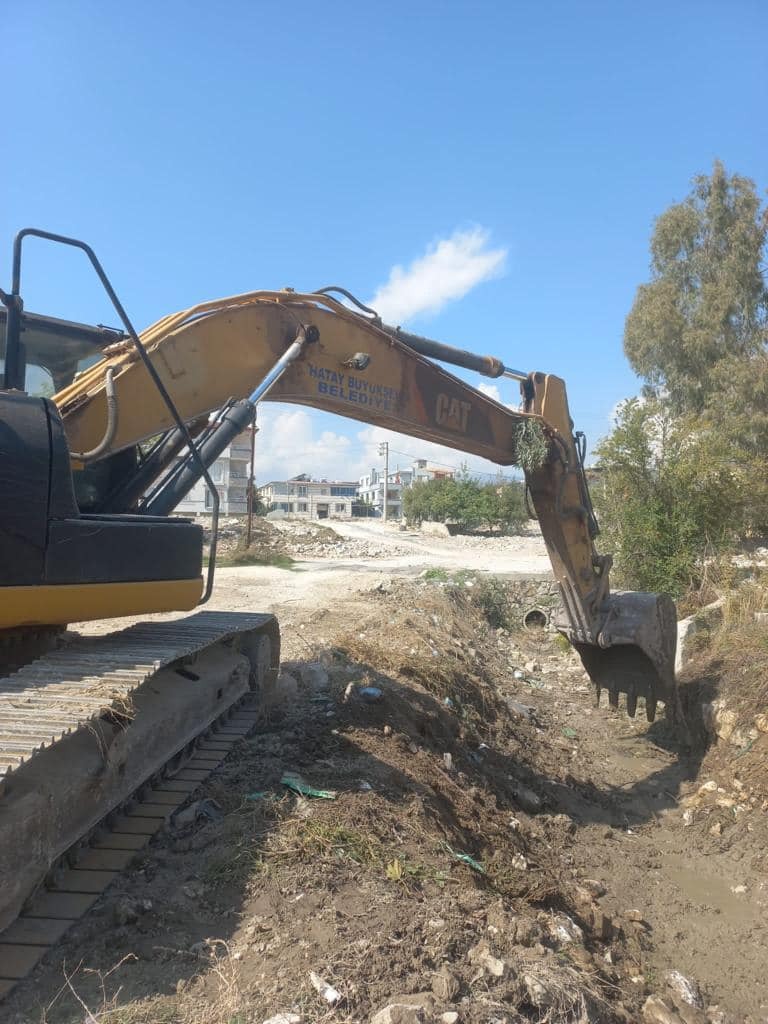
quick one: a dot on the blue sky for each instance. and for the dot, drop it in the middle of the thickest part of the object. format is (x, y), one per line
(209, 149)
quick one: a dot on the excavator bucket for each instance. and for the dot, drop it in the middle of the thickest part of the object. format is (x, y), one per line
(635, 652)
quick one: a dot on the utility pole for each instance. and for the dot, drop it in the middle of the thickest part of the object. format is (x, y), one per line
(384, 450)
(251, 495)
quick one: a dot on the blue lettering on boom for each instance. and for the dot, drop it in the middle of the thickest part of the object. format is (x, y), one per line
(354, 389)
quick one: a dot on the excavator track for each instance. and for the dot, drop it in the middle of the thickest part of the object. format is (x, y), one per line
(99, 743)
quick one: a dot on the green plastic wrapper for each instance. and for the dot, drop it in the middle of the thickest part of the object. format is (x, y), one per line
(293, 781)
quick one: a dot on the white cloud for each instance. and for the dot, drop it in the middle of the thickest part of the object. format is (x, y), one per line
(290, 442)
(449, 269)
(492, 390)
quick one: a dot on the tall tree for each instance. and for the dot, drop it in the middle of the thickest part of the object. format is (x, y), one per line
(697, 331)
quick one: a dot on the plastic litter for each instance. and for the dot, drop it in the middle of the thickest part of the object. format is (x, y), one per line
(466, 859)
(209, 810)
(371, 694)
(570, 733)
(330, 994)
(294, 782)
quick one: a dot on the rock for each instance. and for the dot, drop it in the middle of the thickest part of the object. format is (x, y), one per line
(761, 723)
(716, 829)
(715, 1015)
(519, 862)
(707, 787)
(286, 687)
(704, 619)
(719, 719)
(634, 915)
(315, 676)
(445, 984)
(565, 821)
(539, 992)
(685, 989)
(127, 911)
(532, 667)
(451, 1017)
(597, 889)
(425, 1000)
(399, 1013)
(284, 1018)
(689, 1014)
(565, 930)
(656, 1011)
(526, 798)
(482, 957)
(527, 931)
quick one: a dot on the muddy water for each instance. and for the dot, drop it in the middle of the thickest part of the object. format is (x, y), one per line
(704, 901)
(710, 891)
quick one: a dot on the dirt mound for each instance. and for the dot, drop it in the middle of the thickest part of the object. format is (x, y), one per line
(283, 541)
(435, 822)
(431, 874)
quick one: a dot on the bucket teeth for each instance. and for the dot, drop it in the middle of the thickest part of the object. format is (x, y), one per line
(631, 703)
(613, 699)
(650, 708)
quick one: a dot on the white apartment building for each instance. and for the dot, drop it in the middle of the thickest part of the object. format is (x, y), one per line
(371, 486)
(230, 475)
(310, 499)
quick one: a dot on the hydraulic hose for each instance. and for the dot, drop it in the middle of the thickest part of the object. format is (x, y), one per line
(109, 434)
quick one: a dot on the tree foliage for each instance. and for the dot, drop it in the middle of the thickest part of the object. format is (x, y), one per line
(467, 503)
(685, 470)
(697, 331)
(673, 493)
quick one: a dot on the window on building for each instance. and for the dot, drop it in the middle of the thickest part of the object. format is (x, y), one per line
(343, 492)
(302, 506)
(301, 490)
(208, 499)
(217, 472)
(340, 506)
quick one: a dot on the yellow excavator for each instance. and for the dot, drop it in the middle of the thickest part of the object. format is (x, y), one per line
(92, 474)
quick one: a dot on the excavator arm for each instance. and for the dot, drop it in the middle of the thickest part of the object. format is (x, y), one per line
(310, 349)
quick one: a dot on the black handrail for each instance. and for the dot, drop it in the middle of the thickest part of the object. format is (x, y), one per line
(14, 363)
